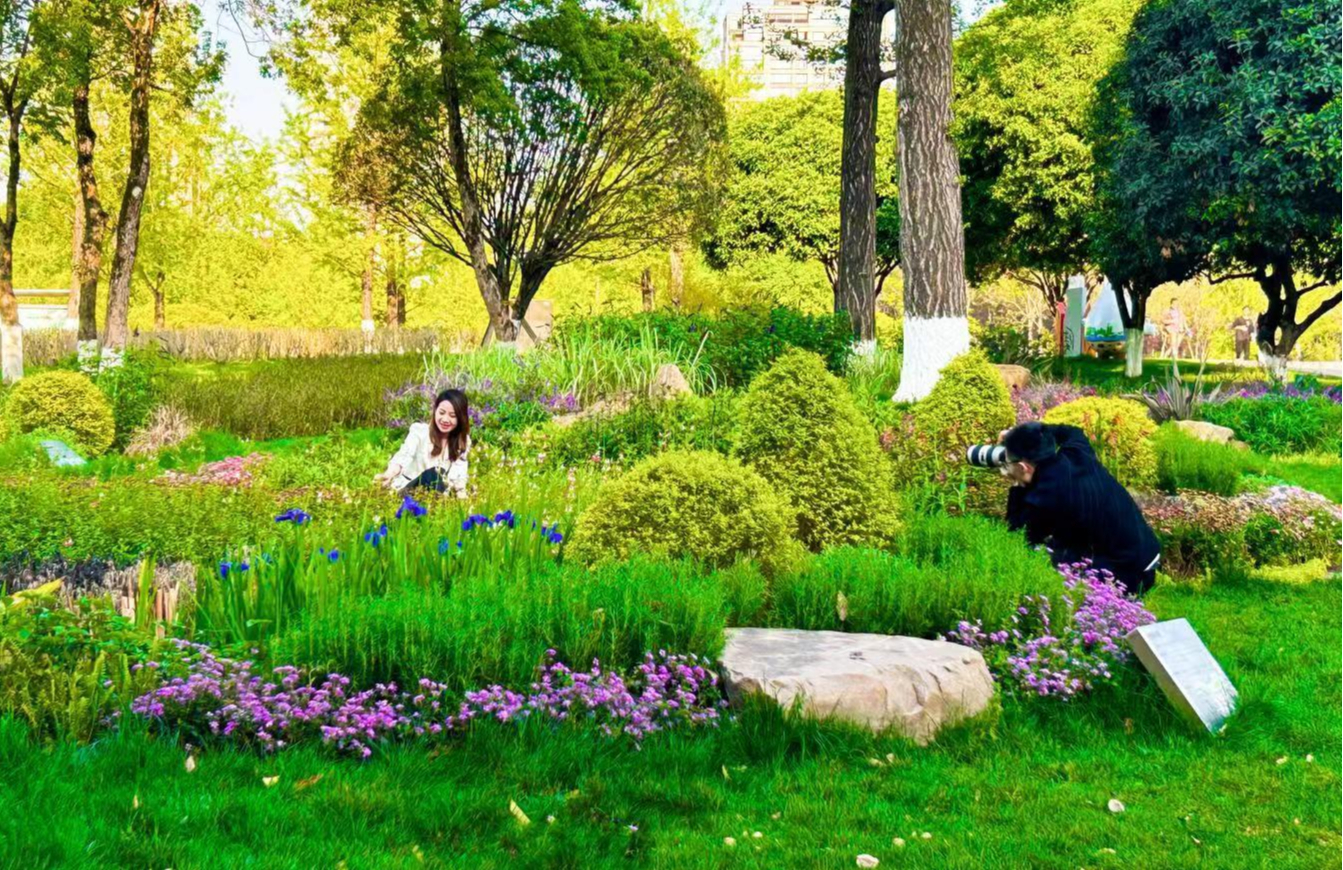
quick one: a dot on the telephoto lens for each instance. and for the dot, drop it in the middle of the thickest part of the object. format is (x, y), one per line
(986, 455)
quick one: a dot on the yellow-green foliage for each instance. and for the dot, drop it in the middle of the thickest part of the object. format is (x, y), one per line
(800, 428)
(62, 401)
(969, 405)
(1120, 432)
(686, 503)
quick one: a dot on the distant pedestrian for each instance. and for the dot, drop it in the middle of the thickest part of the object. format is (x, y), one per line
(1173, 329)
(1243, 329)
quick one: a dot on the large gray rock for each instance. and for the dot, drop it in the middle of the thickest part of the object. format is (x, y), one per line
(1015, 377)
(1205, 431)
(914, 686)
(670, 382)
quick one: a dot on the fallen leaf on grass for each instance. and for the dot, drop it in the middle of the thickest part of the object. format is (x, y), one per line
(135, 802)
(309, 782)
(190, 764)
(729, 841)
(898, 842)
(518, 813)
(269, 781)
(1115, 805)
(1282, 760)
(868, 860)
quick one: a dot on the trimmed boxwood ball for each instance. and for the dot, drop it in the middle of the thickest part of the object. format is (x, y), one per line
(1121, 434)
(686, 503)
(799, 427)
(969, 405)
(62, 401)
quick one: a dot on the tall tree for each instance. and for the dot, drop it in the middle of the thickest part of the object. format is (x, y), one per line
(932, 239)
(1239, 101)
(164, 53)
(783, 194)
(75, 47)
(521, 142)
(1138, 232)
(142, 23)
(858, 277)
(1026, 76)
(19, 83)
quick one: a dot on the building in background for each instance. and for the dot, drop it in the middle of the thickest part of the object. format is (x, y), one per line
(760, 37)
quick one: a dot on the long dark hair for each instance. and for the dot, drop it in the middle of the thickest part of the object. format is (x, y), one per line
(456, 439)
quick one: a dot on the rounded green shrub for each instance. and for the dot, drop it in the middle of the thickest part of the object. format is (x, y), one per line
(1120, 432)
(799, 427)
(969, 405)
(62, 401)
(686, 503)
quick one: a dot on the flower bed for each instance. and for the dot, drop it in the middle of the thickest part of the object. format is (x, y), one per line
(1065, 654)
(217, 699)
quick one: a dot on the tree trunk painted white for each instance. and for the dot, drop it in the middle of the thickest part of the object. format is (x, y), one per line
(1133, 339)
(1274, 365)
(932, 235)
(930, 343)
(11, 366)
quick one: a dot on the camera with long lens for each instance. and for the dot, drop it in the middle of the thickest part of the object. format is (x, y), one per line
(987, 455)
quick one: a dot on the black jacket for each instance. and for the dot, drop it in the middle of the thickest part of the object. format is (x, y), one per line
(1080, 511)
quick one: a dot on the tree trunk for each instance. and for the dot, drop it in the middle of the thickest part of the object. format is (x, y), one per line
(133, 198)
(396, 302)
(856, 279)
(676, 266)
(646, 288)
(11, 336)
(932, 237)
(366, 277)
(1278, 330)
(91, 220)
(1133, 339)
(1133, 317)
(491, 285)
(160, 319)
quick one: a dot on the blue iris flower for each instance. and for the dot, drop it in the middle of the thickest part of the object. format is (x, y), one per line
(224, 569)
(506, 518)
(412, 507)
(297, 516)
(333, 555)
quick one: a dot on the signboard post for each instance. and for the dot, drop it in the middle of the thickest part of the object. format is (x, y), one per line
(1075, 300)
(1186, 672)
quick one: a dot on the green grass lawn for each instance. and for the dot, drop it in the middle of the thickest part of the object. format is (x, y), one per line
(1315, 472)
(1027, 788)
(1107, 375)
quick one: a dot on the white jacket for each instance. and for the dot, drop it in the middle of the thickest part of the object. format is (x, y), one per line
(414, 459)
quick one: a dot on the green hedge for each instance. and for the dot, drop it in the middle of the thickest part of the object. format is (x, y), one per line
(1281, 424)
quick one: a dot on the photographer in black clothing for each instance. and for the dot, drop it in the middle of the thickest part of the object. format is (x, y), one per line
(1065, 499)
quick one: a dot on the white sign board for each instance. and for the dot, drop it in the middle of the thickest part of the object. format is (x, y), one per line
(1188, 674)
(1075, 301)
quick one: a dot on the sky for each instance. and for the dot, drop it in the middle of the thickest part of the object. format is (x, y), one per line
(256, 105)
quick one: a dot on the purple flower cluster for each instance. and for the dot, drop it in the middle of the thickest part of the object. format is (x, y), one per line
(1262, 389)
(412, 401)
(676, 690)
(225, 699)
(1062, 658)
(1033, 402)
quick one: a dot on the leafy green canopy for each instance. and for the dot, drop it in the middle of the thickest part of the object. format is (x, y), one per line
(1226, 143)
(782, 193)
(1025, 82)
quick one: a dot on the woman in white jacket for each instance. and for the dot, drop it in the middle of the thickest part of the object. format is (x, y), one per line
(434, 453)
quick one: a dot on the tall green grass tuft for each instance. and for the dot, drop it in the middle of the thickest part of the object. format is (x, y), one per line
(945, 569)
(495, 627)
(1184, 462)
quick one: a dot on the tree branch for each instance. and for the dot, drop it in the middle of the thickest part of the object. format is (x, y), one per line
(1325, 307)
